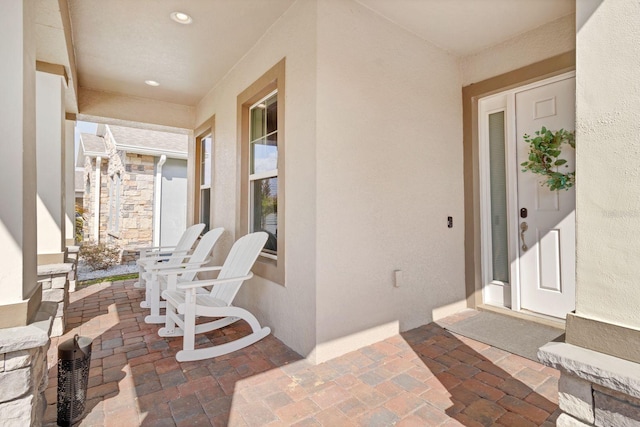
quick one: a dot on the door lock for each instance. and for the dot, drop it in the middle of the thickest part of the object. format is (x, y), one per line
(523, 227)
(523, 213)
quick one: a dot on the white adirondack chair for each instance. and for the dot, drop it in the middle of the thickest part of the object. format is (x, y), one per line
(152, 255)
(184, 271)
(187, 301)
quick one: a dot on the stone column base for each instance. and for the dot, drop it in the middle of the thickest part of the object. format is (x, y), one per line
(23, 369)
(595, 389)
(73, 253)
(55, 288)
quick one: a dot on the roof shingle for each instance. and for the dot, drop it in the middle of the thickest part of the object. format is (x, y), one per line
(149, 139)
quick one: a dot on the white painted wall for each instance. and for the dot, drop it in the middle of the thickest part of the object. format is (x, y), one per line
(69, 181)
(389, 172)
(541, 43)
(173, 204)
(50, 142)
(18, 159)
(608, 146)
(289, 311)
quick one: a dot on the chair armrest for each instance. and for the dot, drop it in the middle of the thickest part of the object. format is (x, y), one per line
(179, 268)
(162, 257)
(181, 256)
(154, 248)
(182, 270)
(208, 282)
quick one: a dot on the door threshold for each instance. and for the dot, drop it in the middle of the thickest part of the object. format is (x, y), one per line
(526, 315)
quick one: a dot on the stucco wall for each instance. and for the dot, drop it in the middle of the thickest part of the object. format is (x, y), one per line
(608, 146)
(389, 173)
(18, 161)
(541, 43)
(100, 105)
(289, 310)
(50, 150)
(371, 196)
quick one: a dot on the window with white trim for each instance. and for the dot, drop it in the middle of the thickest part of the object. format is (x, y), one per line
(263, 170)
(204, 200)
(261, 157)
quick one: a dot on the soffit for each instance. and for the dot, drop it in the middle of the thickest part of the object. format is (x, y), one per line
(465, 27)
(121, 43)
(118, 44)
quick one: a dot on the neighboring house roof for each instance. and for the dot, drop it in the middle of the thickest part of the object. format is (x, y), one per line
(93, 145)
(79, 181)
(145, 141)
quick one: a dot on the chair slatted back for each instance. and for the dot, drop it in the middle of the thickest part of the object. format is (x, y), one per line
(201, 252)
(186, 242)
(239, 262)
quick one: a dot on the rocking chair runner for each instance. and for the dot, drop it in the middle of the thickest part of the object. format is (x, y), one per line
(184, 271)
(184, 303)
(152, 255)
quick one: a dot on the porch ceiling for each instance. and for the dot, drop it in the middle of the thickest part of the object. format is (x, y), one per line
(118, 44)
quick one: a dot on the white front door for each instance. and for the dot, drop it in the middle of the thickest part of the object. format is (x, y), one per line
(547, 247)
(533, 269)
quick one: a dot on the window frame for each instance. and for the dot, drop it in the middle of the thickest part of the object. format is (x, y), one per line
(267, 266)
(205, 131)
(258, 176)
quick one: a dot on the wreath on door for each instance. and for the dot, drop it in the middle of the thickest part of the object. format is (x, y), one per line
(545, 150)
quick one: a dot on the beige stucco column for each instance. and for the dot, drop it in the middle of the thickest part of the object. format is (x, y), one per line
(607, 317)
(69, 180)
(50, 149)
(600, 361)
(20, 294)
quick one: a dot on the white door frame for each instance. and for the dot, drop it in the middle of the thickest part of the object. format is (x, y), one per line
(503, 101)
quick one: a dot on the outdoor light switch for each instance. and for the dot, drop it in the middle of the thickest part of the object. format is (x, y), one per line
(397, 278)
(450, 222)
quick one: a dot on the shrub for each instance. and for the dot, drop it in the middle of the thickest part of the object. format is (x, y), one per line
(79, 228)
(99, 256)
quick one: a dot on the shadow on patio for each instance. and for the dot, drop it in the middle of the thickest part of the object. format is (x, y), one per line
(426, 377)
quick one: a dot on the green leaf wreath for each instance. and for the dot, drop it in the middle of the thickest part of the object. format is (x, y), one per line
(545, 149)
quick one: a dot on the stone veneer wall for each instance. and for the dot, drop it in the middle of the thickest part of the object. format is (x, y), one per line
(55, 288)
(89, 199)
(136, 208)
(595, 389)
(137, 174)
(23, 370)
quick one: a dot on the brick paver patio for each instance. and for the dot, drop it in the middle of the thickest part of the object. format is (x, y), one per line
(425, 377)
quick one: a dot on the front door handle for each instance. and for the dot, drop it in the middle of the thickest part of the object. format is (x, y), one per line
(523, 227)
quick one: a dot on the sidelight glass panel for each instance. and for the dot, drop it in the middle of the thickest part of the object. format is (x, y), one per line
(500, 249)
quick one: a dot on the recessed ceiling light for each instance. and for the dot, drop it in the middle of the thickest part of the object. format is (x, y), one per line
(152, 83)
(181, 17)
